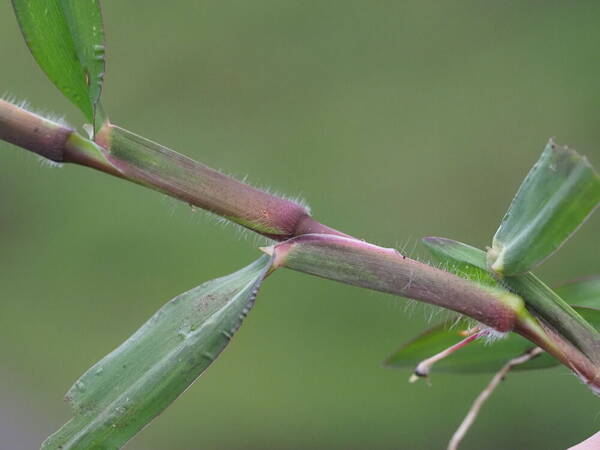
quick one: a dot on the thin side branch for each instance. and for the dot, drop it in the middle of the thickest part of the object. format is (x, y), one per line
(485, 394)
(424, 367)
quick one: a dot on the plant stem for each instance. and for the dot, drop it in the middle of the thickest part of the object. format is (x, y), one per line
(359, 263)
(152, 165)
(310, 246)
(134, 158)
(554, 310)
(546, 337)
(28, 130)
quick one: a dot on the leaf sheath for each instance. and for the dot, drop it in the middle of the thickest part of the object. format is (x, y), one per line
(366, 265)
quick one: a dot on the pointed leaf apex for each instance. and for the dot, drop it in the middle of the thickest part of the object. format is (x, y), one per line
(557, 196)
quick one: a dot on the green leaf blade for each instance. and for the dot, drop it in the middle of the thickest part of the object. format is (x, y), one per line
(66, 38)
(461, 259)
(591, 315)
(130, 386)
(556, 197)
(584, 292)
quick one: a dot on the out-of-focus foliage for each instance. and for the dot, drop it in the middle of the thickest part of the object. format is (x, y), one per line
(585, 292)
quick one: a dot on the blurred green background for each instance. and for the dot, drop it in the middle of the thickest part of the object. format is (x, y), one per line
(394, 120)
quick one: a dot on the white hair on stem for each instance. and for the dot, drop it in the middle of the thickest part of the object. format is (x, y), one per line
(49, 163)
(24, 104)
(490, 336)
(57, 119)
(242, 233)
(297, 199)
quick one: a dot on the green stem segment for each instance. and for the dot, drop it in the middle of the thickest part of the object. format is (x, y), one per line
(152, 165)
(562, 349)
(359, 263)
(134, 158)
(559, 315)
(362, 264)
(313, 247)
(28, 130)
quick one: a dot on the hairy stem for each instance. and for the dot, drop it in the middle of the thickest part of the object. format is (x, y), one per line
(312, 247)
(366, 265)
(134, 158)
(28, 130)
(359, 263)
(152, 165)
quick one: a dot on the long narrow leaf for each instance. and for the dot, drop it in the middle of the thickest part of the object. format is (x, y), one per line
(559, 193)
(66, 37)
(584, 292)
(592, 315)
(119, 395)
